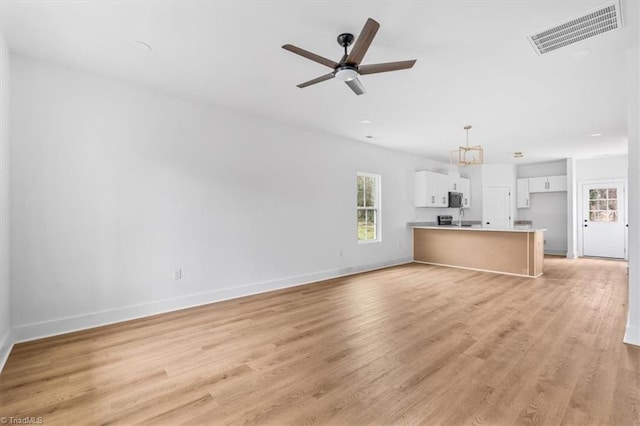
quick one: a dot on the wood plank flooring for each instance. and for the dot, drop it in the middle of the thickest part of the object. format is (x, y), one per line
(414, 344)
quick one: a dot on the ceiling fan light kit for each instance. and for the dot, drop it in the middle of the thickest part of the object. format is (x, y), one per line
(349, 67)
(467, 155)
(346, 73)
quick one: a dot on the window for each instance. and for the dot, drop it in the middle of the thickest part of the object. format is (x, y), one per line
(368, 207)
(603, 205)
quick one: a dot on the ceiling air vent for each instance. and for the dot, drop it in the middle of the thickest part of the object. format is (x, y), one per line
(595, 22)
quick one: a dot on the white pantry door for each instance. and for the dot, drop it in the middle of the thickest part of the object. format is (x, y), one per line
(496, 206)
(603, 219)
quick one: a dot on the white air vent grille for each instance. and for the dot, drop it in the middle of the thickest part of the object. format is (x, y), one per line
(591, 24)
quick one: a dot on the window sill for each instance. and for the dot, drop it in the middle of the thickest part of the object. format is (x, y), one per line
(369, 241)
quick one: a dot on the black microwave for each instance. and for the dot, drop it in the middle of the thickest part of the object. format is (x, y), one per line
(455, 199)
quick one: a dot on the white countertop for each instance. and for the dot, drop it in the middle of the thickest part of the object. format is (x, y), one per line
(516, 228)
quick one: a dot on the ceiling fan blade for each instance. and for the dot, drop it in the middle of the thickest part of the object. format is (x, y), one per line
(356, 86)
(388, 66)
(305, 53)
(363, 42)
(316, 80)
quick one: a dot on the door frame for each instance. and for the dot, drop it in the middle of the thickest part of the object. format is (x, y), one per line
(580, 198)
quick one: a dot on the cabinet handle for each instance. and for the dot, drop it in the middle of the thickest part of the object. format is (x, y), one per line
(433, 199)
(527, 201)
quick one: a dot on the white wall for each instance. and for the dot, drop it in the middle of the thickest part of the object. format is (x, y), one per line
(632, 334)
(572, 210)
(114, 186)
(614, 167)
(548, 210)
(5, 325)
(551, 168)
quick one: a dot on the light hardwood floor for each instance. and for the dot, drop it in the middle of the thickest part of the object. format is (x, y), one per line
(414, 344)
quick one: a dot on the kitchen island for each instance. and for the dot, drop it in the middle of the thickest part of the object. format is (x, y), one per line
(513, 251)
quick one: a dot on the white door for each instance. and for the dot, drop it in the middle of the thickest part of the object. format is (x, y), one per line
(603, 220)
(496, 207)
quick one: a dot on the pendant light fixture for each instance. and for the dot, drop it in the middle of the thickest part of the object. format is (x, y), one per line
(467, 155)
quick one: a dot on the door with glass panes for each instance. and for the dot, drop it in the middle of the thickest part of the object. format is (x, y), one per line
(603, 220)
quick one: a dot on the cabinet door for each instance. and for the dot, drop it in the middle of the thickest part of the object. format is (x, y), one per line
(432, 189)
(538, 184)
(420, 189)
(465, 188)
(522, 193)
(455, 183)
(426, 189)
(442, 190)
(557, 183)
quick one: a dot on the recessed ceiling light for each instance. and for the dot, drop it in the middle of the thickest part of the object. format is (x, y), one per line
(580, 53)
(366, 121)
(593, 135)
(142, 46)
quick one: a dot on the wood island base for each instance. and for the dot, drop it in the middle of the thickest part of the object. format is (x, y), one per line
(512, 252)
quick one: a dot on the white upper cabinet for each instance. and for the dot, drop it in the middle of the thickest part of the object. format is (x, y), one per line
(421, 194)
(548, 184)
(442, 190)
(538, 184)
(454, 183)
(465, 188)
(556, 183)
(431, 189)
(522, 193)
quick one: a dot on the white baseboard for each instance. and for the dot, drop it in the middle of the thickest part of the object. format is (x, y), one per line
(555, 252)
(95, 319)
(632, 335)
(6, 344)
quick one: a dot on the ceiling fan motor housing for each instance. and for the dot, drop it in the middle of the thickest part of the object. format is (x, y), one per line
(345, 39)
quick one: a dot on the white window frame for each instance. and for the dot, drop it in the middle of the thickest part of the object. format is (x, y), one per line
(377, 207)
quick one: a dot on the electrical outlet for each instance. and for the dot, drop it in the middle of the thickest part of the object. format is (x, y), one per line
(545, 241)
(177, 274)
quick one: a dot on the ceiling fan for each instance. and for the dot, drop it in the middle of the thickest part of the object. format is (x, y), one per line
(349, 66)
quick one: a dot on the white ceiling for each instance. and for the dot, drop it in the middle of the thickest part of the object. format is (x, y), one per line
(474, 66)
